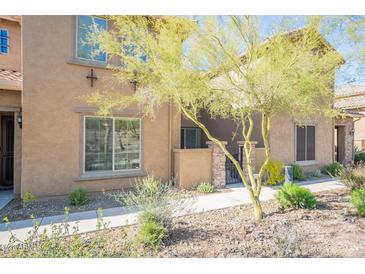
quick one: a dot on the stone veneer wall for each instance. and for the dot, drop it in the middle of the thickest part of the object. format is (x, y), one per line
(218, 165)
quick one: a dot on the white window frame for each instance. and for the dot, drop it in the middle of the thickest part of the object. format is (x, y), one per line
(113, 153)
(7, 31)
(315, 143)
(76, 41)
(198, 132)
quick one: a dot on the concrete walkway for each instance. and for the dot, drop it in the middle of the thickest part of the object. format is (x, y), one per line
(121, 216)
(5, 197)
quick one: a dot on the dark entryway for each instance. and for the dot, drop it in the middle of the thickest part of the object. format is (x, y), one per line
(340, 143)
(7, 152)
(232, 176)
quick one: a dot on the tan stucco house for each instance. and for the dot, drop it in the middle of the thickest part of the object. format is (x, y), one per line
(52, 142)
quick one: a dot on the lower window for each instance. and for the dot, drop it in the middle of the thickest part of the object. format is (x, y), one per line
(112, 144)
(306, 143)
(190, 137)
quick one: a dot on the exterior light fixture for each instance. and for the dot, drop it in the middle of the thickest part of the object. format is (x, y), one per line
(19, 119)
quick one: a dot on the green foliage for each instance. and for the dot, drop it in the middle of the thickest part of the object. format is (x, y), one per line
(359, 156)
(334, 169)
(28, 198)
(158, 201)
(152, 231)
(275, 172)
(79, 197)
(358, 200)
(295, 196)
(201, 67)
(205, 188)
(317, 173)
(298, 173)
(354, 177)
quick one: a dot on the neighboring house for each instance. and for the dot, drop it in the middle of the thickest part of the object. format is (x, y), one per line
(352, 99)
(51, 141)
(319, 142)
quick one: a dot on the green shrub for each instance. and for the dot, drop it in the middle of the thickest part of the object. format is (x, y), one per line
(354, 178)
(359, 156)
(205, 188)
(152, 230)
(78, 197)
(28, 198)
(295, 196)
(275, 172)
(334, 169)
(298, 173)
(358, 200)
(317, 173)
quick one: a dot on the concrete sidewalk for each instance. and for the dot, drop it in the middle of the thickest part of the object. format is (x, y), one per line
(121, 216)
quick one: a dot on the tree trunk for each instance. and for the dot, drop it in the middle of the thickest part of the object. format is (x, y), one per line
(257, 208)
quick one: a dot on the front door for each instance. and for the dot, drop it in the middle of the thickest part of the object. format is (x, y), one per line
(7, 152)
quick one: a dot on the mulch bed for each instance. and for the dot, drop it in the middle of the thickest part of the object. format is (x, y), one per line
(332, 230)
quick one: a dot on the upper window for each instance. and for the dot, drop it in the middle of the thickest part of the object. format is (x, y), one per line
(4, 41)
(85, 50)
(306, 149)
(112, 144)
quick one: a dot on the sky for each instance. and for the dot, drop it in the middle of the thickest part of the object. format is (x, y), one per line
(352, 72)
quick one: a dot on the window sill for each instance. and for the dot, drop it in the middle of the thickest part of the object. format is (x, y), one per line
(307, 163)
(108, 175)
(87, 63)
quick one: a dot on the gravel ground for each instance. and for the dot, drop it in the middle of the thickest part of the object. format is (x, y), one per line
(15, 211)
(332, 230)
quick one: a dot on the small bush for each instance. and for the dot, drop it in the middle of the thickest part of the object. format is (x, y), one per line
(334, 169)
(152, 231)
(358, 200)
(354, 178)
(287, 241)
(298, 173)
(359, 156)
(295, 196)
(28, 198)
(317, 173)
(275, 172)
(79, 197)
(205, 188)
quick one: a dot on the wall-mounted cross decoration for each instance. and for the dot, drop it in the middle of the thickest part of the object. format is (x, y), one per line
(92, 76)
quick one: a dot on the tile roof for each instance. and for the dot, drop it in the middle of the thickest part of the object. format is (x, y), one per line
(350, 97)
(10, 75)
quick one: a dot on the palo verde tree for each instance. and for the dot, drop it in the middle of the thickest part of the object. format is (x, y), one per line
(222, 67)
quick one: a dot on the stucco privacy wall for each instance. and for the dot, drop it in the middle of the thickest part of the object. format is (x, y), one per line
(283, 147)
(192, 166)
(52, 113)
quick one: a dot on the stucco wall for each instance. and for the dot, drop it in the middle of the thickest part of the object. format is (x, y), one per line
(10, 98)
(52, 113)
(283, 146)
(12, 60)
(192, 166)
(359, 135)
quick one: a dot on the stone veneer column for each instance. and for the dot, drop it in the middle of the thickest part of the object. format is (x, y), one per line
(243, 160)
(218, 165)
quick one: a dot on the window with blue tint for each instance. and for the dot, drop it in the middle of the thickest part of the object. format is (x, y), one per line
(4, 41)
(85, 50)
